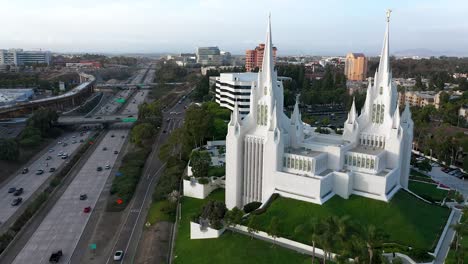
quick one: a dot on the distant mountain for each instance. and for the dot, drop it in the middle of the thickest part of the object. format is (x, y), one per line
(425, 53)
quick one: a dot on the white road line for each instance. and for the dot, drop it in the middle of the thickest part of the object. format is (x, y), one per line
(141, 207)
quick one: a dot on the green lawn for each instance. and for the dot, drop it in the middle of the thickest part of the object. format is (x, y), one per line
(230, 248)
(426, 190)
(161, 211)
(406, 219)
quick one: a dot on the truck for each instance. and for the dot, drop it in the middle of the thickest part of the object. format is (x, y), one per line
(55, 257)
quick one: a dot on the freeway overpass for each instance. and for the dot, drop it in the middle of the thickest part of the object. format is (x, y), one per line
(132, 85)
(110, 119)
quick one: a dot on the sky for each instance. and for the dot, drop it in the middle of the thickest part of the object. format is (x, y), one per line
(299, 27)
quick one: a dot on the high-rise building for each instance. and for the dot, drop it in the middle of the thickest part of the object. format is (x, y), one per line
(20, 57)
(269, 152)
(209, 56)
(254, 58)
(356, 67)
(235, 87)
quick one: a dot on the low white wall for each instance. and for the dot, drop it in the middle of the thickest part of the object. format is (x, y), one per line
(296, 186)
(200, 191)
(290, 243)
(197, 233)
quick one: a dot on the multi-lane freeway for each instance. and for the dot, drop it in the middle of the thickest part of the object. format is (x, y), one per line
(32, 179)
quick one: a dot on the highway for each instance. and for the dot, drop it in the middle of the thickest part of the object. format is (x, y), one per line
(30, 182)
(128, 236)
(62, 227)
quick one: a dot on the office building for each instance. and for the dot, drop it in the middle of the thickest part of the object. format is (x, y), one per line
(20, 57)
(254, 58)
(356, 67)
(209, 56)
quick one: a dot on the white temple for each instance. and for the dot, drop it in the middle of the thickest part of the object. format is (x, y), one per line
(268, 152)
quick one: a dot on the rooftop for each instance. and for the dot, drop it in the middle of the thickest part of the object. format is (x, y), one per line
(367, 150)
(303, 152)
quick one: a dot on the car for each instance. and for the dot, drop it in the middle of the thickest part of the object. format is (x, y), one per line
(107, 166)
(446, 170)
(52, 169)
(117, 118)
(118, 255)
(87, 209)
(60, 154)
(18, 192)
(60, 142)
(51, 150)
(420, 158)
(11, 190)
(164, 131)
(64, 144)
(83, 197)
(123, 136)
(74, 141)
(25, 170)
(16, 201)
(168, 119)
(98, 117)
(104, 148)
(48, 158)
(81, 140)
(99, 168)
(116, 152)
(454, 172)
(55, 256)
(112, 135)
(74, 136)
(64, 156)
(39, 172)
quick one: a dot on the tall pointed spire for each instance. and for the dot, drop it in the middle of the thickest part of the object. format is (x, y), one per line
(352, 115)
(384, 65)
(267, 64)
(396, 118)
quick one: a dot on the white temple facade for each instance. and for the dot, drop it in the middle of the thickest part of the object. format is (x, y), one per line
(267, 152)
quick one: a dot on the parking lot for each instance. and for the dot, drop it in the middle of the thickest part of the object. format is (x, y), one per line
(29, 181)
(63, 225)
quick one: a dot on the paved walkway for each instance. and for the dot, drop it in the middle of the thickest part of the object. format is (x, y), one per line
(447, 240)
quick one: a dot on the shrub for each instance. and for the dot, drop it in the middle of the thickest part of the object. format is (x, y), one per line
(203, 180)
(214, 211)
(250, 207)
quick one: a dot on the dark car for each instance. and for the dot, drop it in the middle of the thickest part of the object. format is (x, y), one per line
(83, 197)
(130, 115)
(18, 192)
(16, 201)
(64, 156)
(55, 257)
(48, 158)
(98, 117)
(104, 148)
(112, 135)
(39, 172)
(11, 190)
(99, 168)
(116, 152)
(123, 136)
(87, 209)
(52, 169)
(164, 131)
(25, 170)
(81, 140)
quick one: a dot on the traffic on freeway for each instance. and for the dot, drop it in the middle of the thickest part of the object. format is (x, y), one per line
(31, 177)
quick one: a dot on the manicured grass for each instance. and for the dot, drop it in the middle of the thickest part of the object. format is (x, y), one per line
(406, 219)
(161, 211)
(230, 248)
(426, 190)
(216, 171)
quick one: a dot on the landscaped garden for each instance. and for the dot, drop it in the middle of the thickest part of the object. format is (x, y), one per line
(427, 191)
(405, 219)
(230, 248)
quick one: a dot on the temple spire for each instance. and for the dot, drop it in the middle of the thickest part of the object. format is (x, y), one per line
(267, 64)
(384, 65)
(352, 115)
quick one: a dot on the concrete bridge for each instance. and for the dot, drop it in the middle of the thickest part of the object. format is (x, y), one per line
(72, 98)
(110, 119)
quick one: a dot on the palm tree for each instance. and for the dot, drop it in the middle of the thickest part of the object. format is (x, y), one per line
(313, 231)
(373, 238)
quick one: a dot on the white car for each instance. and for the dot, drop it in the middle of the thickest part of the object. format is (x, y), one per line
(118, 255)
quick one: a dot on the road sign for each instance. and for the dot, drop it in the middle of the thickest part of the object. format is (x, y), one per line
(129, 120)
(92, 246)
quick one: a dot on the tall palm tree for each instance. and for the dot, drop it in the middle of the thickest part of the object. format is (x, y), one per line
(312, 228)
(373, 238)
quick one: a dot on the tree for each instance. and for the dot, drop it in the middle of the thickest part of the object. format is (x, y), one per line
(424, 165)
(252, 226)
(373, 238)
(43, 119)
(141, 133)
(233, 217)
(273, 228)
(200, 162)
(9, 149)
(313, 230)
